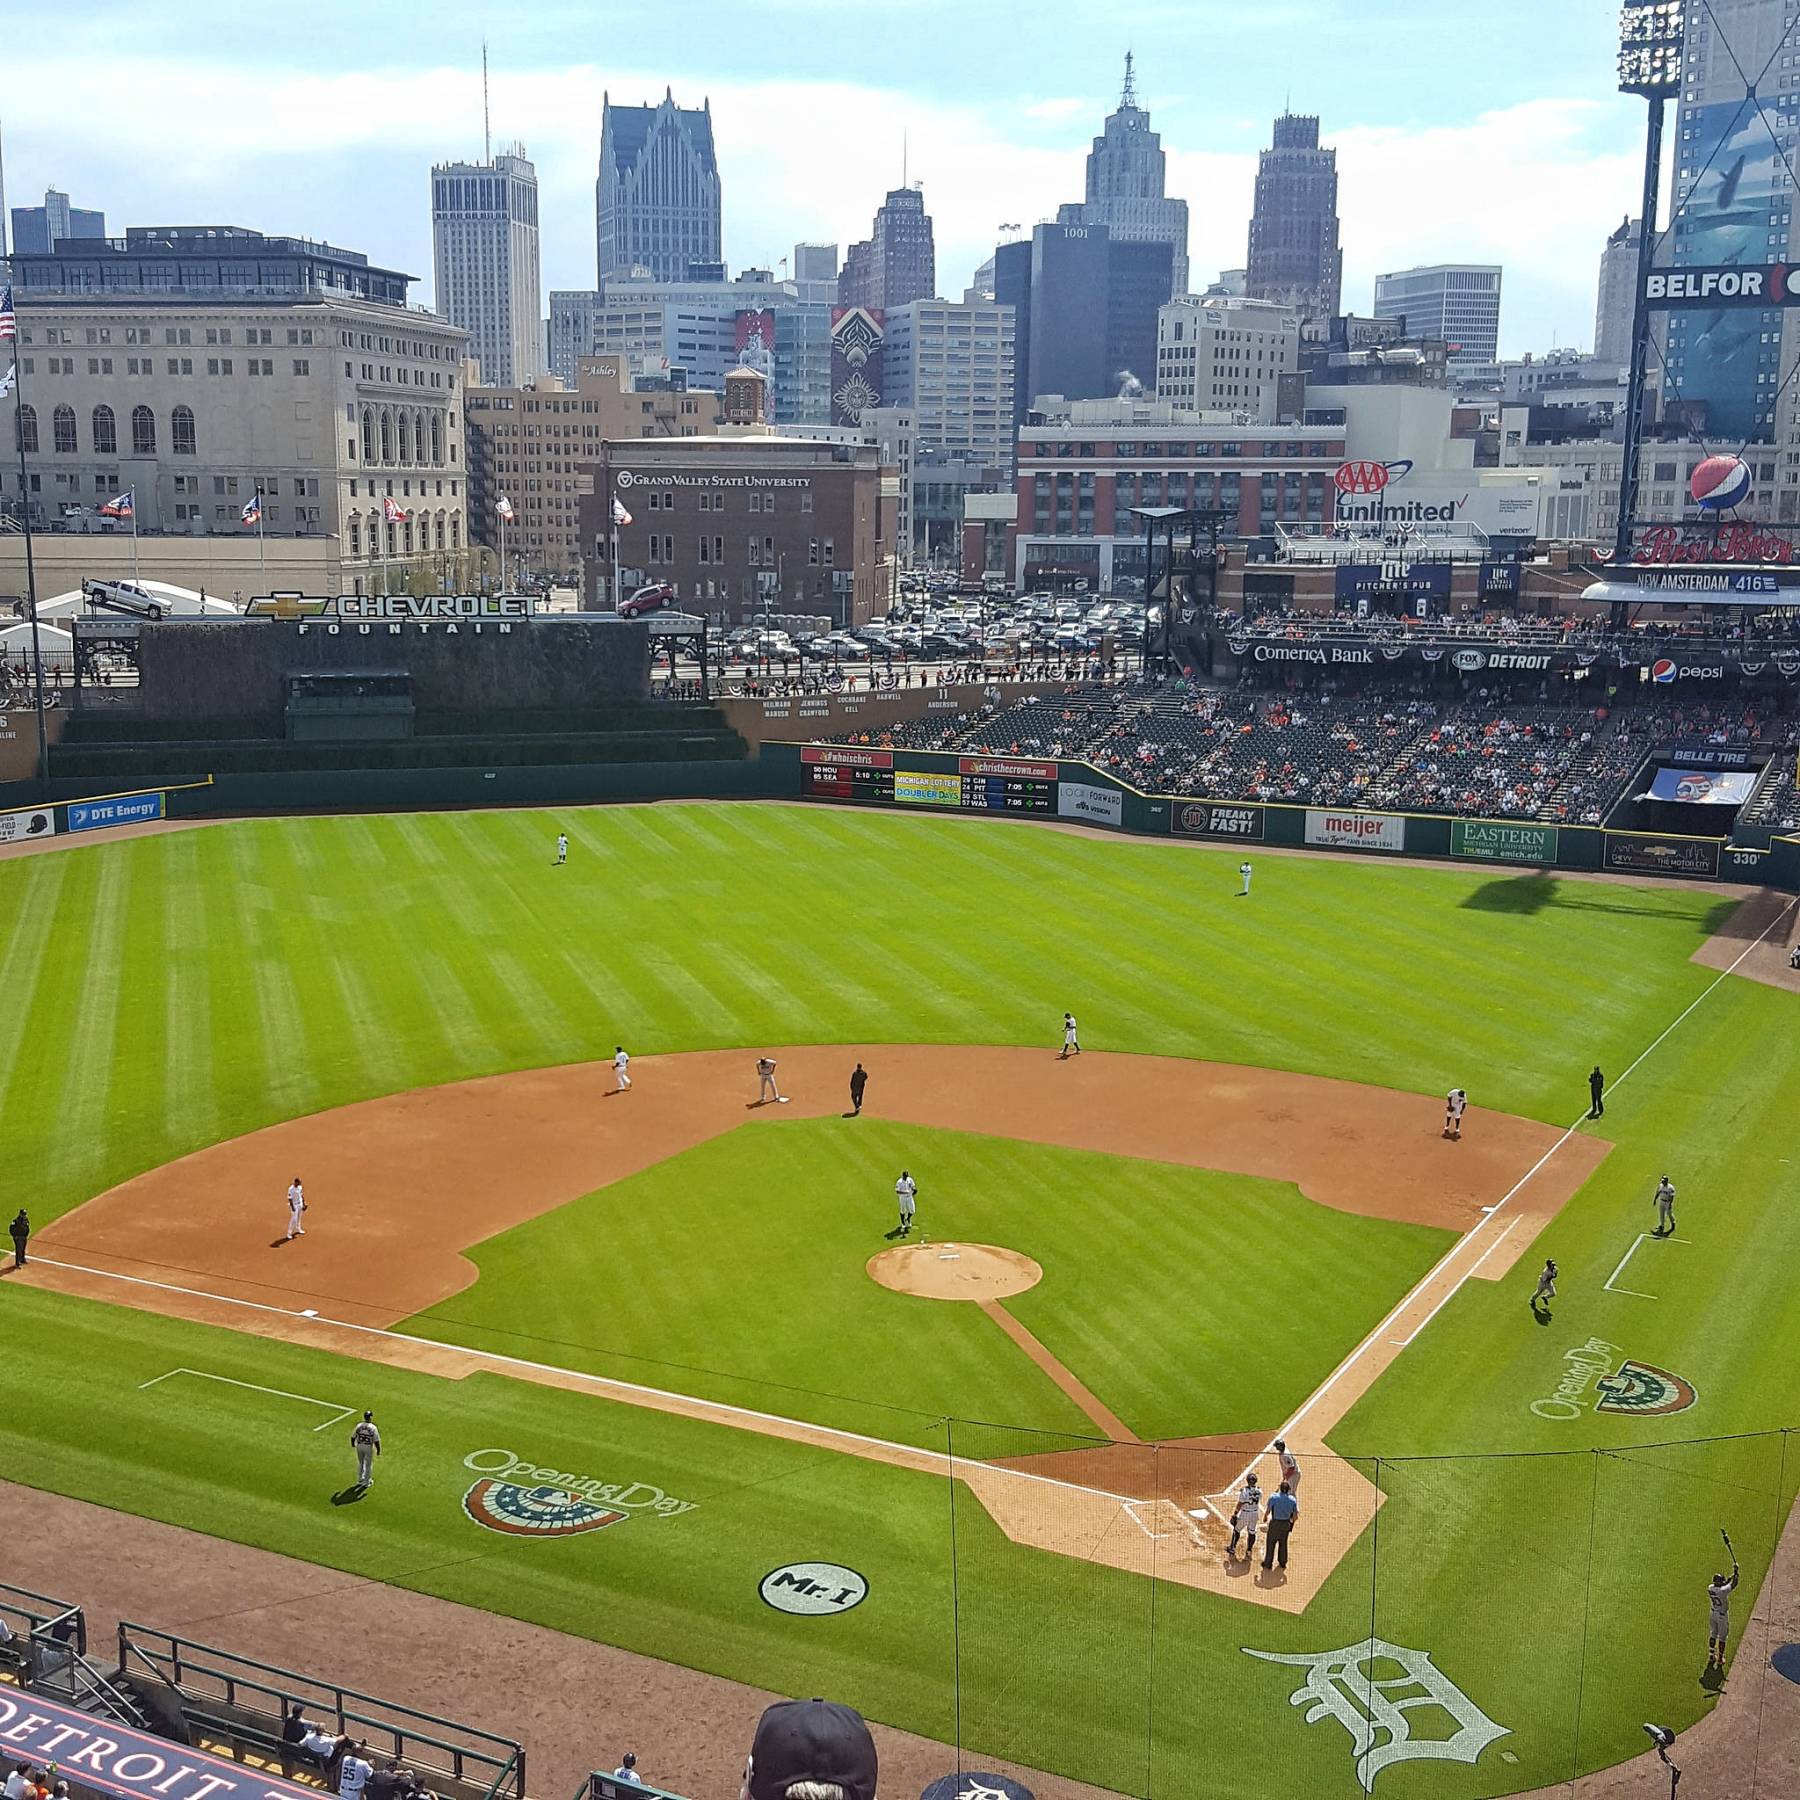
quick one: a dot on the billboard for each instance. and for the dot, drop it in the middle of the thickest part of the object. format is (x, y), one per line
(857, 336)
(754, 340)
(1490, 840)
(1703, 787)
(1356, 830)
(1726, 206)
(1205, 818)
(1081, 800)
(1641, 854)
(122, 809)
(1408, 498)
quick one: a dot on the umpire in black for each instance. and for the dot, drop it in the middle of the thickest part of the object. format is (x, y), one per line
(20, 1233)
(1596, 1093)
(859, 1079)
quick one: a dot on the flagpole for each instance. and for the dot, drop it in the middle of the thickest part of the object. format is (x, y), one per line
(615, 549)
(262, 560)
(37, 653)
(134, 571)
(503, 553)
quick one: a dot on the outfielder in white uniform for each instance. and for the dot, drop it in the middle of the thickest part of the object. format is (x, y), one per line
(622, 1068)
(1071, 1040)
(296, 1206)
(1665, 1207)
(906, 1191)
(1290, 1467)
(1244, 874)
(1456, 1103)
(1245, 1515)
(562, 848)
(365, 1440)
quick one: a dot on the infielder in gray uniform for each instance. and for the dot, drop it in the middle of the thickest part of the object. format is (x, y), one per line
(1718, 1627)
(365, 1440)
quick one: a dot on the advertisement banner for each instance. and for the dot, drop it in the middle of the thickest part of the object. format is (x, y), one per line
(122, 809)
(1356, 830)
(1098, 805)
(849, 754)
(1489, 840)
(1690, 858)
(1703, 787)
(1355, 581)
(1499, 578)
(857, 338)
(1202, 818)
(1408, 498)
(913, 788)
(40, 822)
(1006, 765)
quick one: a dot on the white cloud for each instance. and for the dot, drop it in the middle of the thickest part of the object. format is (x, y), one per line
(1535, 187)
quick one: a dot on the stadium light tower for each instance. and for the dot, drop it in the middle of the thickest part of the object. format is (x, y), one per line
(1650, 52)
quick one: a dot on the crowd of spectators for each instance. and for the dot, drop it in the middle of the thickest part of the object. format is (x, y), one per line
(1561, 755)
(1543, 631)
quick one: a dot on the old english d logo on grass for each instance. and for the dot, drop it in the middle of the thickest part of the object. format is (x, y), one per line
(1380, 1710)
(537, 1511)
(1648, 1392)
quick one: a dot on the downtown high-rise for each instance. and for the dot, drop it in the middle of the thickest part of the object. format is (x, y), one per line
(484, 248)
(1127, 173)
(897, 263)
(1294, 256)
(657, 203)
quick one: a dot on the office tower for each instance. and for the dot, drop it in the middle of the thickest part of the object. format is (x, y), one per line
(657, 201)
(1458, 303)
(484, 245)
(950, 363)
(897, 262)
(37, 230)
(1294, 257)
(1616, 300)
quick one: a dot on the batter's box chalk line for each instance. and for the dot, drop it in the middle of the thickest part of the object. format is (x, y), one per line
(338, 1413)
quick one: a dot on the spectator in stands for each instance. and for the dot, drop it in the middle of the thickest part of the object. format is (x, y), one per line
(627, 1770)
(354, 1770)
(388, 1782)
(810, 1750)
(18, 1781)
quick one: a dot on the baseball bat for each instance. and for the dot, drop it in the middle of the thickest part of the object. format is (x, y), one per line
(1728, 1549)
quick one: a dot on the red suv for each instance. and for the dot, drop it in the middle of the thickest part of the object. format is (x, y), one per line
(647, 599)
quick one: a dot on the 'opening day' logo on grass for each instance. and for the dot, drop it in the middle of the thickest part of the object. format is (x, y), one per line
(1618, 1384)
(524, 1499)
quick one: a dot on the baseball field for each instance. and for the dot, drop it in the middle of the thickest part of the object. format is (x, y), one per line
(654, 1367)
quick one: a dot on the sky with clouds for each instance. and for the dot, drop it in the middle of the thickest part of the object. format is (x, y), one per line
(1465, 131)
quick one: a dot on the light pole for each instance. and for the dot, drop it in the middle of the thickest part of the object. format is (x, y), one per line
(1650, 46)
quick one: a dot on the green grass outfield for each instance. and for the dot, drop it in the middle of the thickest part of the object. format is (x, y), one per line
(175, 990)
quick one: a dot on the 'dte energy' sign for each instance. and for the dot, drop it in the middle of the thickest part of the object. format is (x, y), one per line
(1724, 284)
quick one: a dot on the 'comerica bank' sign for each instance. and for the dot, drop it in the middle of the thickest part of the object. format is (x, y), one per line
(113, 1759)
(1722, 285)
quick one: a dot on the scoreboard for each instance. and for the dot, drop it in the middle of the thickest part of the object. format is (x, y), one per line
(978, 784)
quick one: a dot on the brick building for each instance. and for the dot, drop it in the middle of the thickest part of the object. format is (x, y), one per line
(740, 525)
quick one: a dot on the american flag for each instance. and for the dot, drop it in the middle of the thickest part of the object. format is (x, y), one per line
(120, 506)
(390, 511)
(252, 513)
(9, 320)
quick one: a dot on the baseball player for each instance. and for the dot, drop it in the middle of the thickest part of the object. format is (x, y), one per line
(365, 1440)
(1290, 1466)
(1665, 1207)
(1244, 877)
(1546, 1285)
(1455, 1103)
(765, 1070)
(859, 1079)
(1245, 1515)
(562, 848)
(621, 1069)
(1718, 1629)
(906, 1191)
(1071, 1040)
(296, 1206)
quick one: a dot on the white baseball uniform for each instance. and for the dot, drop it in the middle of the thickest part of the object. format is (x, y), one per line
(562, 847)
(622, 1069)
(1070, 1040)
(1665, 1205)
(1719, 1593)
(906, 1192)
(766, 1069)
(1244, 871)
(365, 1440)
(353, 1777)
(296, 1206)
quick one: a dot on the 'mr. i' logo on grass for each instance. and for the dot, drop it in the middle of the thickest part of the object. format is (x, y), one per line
(1597, 1376)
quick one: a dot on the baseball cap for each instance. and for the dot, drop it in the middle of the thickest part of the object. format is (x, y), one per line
(811, 1740)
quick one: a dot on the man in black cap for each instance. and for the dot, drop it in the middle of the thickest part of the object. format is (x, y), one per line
(20, 1233)
(859, 1079)
(1596, 1093)
(817, 1745)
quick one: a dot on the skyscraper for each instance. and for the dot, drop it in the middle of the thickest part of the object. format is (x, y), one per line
(1615, 304)
(1126, 172)
(815, 262)
(1733, 202)
(897, 263)
(1295, 257)
(484, 251)
(37, 230)
(1457, 303)
(657, 202)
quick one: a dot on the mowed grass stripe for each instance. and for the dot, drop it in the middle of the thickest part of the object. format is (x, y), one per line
(189, 1031)
(31, 980)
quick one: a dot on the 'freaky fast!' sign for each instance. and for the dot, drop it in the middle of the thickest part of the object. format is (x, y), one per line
(113, 1759)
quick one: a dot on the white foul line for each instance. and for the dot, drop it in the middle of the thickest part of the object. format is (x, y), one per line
(1493, 1212)
(256, 1387)
(1642, 1238)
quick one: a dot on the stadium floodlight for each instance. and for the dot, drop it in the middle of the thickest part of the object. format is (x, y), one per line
(1650, 48)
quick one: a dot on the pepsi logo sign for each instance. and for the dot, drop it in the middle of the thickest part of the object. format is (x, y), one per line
(1720, 483)
(1663, 670)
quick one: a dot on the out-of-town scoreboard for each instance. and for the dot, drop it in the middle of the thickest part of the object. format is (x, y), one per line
(977, 784)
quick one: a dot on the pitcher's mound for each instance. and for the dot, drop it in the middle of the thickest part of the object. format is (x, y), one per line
(954, 1271)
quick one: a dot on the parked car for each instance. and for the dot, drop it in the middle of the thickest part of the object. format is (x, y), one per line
(650, 598)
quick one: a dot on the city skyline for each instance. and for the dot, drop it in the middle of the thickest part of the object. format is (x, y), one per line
(1531, 169)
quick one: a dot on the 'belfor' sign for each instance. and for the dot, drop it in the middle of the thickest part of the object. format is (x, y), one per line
(1722, 284)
